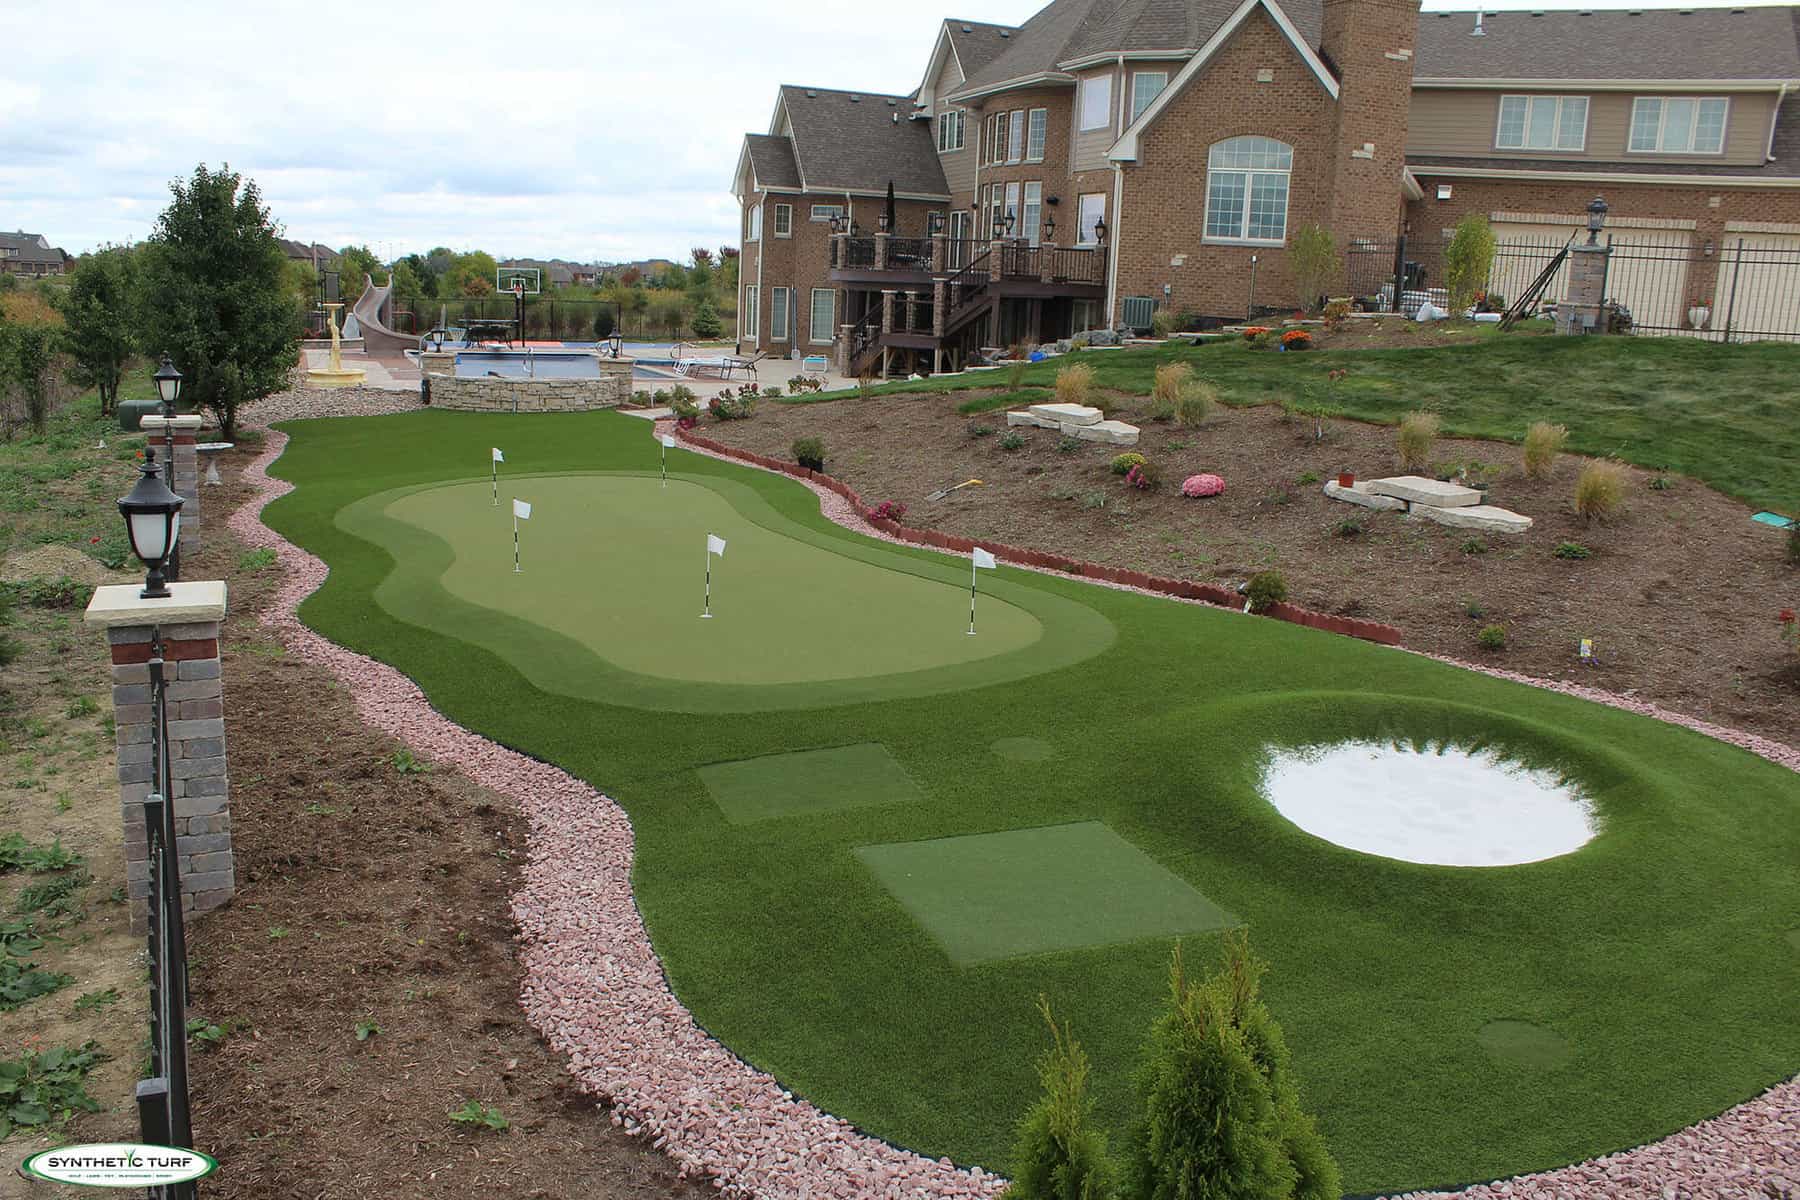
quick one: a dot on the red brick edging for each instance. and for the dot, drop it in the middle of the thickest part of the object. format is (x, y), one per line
(1186, 589)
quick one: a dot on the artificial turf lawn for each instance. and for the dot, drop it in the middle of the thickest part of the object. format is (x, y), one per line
(807, 781)
(986, 896)
(1659, 952)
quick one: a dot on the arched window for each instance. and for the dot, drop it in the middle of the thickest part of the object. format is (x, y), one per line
(1247, 189)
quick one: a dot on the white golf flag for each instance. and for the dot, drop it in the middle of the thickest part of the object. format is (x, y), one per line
(668, 442)
(522, 509)
(498, 457)
(984, 559)
(715, 545)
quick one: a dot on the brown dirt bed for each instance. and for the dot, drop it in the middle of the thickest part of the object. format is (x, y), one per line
(1680, 595)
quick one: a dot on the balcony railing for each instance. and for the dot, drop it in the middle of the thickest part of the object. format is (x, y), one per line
(909, 253)
(1077, 264)
(1016, 259)
(856, 252)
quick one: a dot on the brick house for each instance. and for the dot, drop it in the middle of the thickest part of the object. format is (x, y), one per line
(31, 254)
(1107, 159)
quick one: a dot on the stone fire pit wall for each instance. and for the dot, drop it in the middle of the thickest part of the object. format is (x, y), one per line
(490, 394)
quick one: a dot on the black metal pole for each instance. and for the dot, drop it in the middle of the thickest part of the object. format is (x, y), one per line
(1399, 272)
(1737, 269)
(174, 940)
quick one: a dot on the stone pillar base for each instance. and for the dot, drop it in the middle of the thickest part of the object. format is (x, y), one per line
(1583, 310)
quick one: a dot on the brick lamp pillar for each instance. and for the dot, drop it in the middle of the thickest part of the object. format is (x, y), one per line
(1583, 310)
(887, 311)
(185, 628)
(842, 348)
(186, 483)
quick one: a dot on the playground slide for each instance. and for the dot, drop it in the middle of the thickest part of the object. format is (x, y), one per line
(368, 308)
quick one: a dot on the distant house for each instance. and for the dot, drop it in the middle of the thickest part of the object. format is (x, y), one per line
(322, 257)
(552, 273)
(31, 254)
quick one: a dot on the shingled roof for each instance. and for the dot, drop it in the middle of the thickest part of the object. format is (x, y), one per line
(30, 248)
(860, 141)
(978, 43)
(1698, 43)
(1069, 31)
(772, 158)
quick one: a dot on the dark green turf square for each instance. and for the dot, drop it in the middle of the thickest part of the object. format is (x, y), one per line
(808, 781)
(1030, 891)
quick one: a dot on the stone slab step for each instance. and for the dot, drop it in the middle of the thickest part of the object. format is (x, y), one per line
(1359, 493)
(1031, 418)
(1068, 414)
(1417, 489)
(1487, 517)
(1112, 433)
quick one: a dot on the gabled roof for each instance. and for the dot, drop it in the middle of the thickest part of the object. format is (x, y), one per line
(978, 43)
(1701, 44)
(772, 160)
(31, 247)
(1068, 34)
(858, 142)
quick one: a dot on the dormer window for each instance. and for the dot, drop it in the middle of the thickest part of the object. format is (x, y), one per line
(1542, 123)
(1096, 101)
(1678, 124)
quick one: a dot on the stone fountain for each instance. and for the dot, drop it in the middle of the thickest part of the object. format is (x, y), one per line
(336, 375)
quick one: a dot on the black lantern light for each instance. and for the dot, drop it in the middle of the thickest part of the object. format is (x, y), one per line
(882, 220)
(616, 342)
(934, 223)
(1596, 212)
(1100, 232)
(1050, 228)
(837, 222)
(153, 523)
(1006, 222)
(855, 229)
(168, 385)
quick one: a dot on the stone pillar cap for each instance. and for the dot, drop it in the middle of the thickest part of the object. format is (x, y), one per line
(188, 603)
(184, 421)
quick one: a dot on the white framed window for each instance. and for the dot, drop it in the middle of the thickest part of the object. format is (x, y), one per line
(993, 211)
(1031, 216)
(961, 229)
(1678, 124)
(1037, 123)
(950, 130)
(825, 212)
(784, 220)
(999, 137)
(822, 320)
(1096, 102)
(1090, 209)
(1145, 87)
(753, 224)
(1542, 123)
(778, 314)
(748, 317)
(1015, 139)
(1012, 210)
(1247, 189)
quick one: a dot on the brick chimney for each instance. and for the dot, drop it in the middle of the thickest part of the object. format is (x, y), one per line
(1369, 43)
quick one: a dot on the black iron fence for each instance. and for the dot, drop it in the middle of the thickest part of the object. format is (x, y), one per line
(545, 319)
(164, 1115)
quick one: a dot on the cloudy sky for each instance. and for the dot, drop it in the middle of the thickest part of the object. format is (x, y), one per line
(581, 129)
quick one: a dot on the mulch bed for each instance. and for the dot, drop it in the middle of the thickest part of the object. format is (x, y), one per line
(1680, 593)
(366, 894)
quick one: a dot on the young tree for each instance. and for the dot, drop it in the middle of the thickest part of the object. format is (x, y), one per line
(100, 315)
(212, 294)
(1468, 260)
(706, 320)
(1314, 258)
(27, 374)
(1221, 1115)
(1061, 1155)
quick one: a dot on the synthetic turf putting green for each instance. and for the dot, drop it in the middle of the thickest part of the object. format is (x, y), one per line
(1658, 953)
(607, 604)
(808, 781)
(1033, 891)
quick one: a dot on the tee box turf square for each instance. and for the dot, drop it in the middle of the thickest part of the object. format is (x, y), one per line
(807, 781)
(990, 896)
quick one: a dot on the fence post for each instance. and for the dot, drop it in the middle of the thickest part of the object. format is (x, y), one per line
(1399, 272)
(1737, 269)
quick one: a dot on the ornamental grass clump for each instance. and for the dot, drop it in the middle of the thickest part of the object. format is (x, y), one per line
(1060, 1153)
(1543, 442)
(1075, 384)
(1171, 378)
(1221, 1113)
(1599, 491)
(1418, 430)
(1195, 403)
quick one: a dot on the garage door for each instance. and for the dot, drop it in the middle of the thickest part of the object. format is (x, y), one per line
(1647, 274)
(1757, 295)
(1521, 251)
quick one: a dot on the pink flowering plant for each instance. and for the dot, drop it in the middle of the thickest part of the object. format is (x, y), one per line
(887, 510)
(1200, 486)
(1144, 476)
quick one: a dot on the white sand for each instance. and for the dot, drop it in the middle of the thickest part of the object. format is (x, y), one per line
(1438, 804)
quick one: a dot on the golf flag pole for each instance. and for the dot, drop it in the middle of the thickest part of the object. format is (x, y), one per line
(521, 512)
(714, 545)
(978, 561)
(495, 466)
(668, 444)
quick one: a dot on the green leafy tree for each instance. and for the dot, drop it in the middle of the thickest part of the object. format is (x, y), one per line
(214, 297)
(1313, 257)
(100, 315)
(409, 287)
(665, 309)
(1468, 260)
(1221, 1110)
(27, 373)
(1061, 1154)
(470, 274)
(356, 266)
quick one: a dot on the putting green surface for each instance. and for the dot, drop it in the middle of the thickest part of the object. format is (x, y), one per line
(1447, 1024)
(1031, 891)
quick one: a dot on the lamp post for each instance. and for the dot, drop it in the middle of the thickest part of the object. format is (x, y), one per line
(1596, 212)
(882, 220)
(152, 513)
(1050, 228)
(616, 341)
(168, 391)
(1100, 232)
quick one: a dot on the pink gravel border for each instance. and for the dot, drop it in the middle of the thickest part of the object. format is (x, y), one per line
(596, 991)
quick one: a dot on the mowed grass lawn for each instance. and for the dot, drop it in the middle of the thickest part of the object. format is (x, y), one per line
(1727, 415)
(841, 950)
